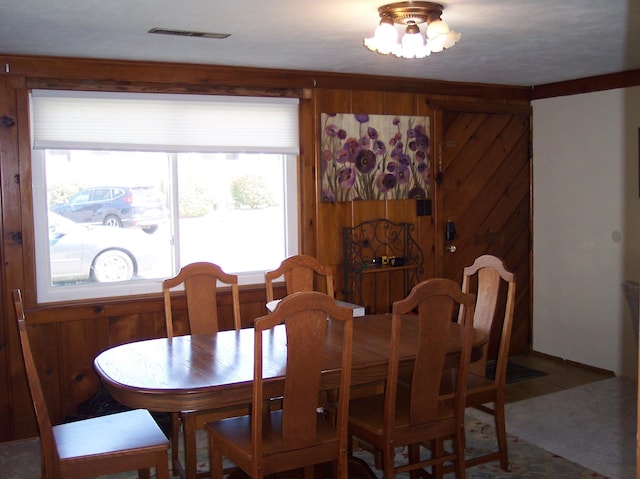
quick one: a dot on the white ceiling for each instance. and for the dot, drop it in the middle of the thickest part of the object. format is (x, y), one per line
(511, 42)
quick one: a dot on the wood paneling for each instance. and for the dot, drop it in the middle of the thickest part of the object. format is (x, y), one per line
(485, 188)
(15, 389)
(67, 336)
(379, 290)
(6, 143)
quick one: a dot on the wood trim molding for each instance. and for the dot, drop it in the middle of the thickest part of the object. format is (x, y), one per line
(61, 72)
(587, 85)
(146, 87)
(94, 73)
(480, 107)
(120, 306)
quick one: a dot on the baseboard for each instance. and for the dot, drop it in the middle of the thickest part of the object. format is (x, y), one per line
(587, 367)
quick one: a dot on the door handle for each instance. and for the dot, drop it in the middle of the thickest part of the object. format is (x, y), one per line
(450, 248)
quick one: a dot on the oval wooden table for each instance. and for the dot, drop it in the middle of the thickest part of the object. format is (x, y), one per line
(212, 371)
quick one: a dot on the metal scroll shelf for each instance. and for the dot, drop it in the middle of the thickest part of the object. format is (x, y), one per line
(379, 246)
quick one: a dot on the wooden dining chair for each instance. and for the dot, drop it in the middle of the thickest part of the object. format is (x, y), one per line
(298, 435)
(410, 411)
(488, 278)
(200, 281)
(301, 273)
(88, 448)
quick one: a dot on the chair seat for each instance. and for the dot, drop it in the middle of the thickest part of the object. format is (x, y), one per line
(481, 390)
(238, 429)
(477, 386)
(368, 412)
(109, 435)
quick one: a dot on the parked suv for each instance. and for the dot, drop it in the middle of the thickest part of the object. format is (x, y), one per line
(120, 206)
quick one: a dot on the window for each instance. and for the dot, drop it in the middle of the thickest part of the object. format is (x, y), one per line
(122, 200)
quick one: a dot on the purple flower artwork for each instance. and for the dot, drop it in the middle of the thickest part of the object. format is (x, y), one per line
(374, 157)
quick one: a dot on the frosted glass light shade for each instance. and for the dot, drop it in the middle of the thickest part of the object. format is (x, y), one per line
(451, 39)
(386, 33)
(412, 41)
(435, 28)
(385, 38)
(440, 37)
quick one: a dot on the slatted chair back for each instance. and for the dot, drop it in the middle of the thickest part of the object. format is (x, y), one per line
(488, 273)
(495, 288)
(296, 436)
(301, 273)
(411, 411)
(200, 282)
(50, 457)
(435, 301)
(98, 446)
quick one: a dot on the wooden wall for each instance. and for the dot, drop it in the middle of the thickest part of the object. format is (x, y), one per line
(67, 336)
(332, 217)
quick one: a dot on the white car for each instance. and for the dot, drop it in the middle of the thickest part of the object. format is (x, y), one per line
(95, 253)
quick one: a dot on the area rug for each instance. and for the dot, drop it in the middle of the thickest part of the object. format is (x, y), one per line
(526, 460)
(21, 460)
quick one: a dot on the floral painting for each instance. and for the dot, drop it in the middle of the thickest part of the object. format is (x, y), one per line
(374, 157)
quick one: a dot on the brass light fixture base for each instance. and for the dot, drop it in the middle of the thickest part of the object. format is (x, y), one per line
(407, 13)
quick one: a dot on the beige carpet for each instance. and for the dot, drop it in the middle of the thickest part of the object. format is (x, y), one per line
(593, 425)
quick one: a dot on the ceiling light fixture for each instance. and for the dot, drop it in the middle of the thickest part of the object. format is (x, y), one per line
(414, 44)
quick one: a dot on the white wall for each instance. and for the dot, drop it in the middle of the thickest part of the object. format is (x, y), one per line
(586, 226)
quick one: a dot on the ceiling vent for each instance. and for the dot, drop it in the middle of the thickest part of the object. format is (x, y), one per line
(187, 33)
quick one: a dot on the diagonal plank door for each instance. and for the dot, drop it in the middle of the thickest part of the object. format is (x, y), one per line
(485, 190)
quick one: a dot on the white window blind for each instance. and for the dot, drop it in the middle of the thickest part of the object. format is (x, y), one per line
(163, 122)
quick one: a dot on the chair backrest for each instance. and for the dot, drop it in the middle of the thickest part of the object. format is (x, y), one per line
(301, 272)
(490, 273)
(50, 458)
(308, 318)
(435, 301)
(200, 285)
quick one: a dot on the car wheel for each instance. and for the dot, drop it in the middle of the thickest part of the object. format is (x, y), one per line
(150, 229)
(112, 220)
(112, 265)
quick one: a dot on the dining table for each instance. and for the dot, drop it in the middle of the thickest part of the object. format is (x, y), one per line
(199, 372)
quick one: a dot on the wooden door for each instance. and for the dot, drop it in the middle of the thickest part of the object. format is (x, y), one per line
(484, 188)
